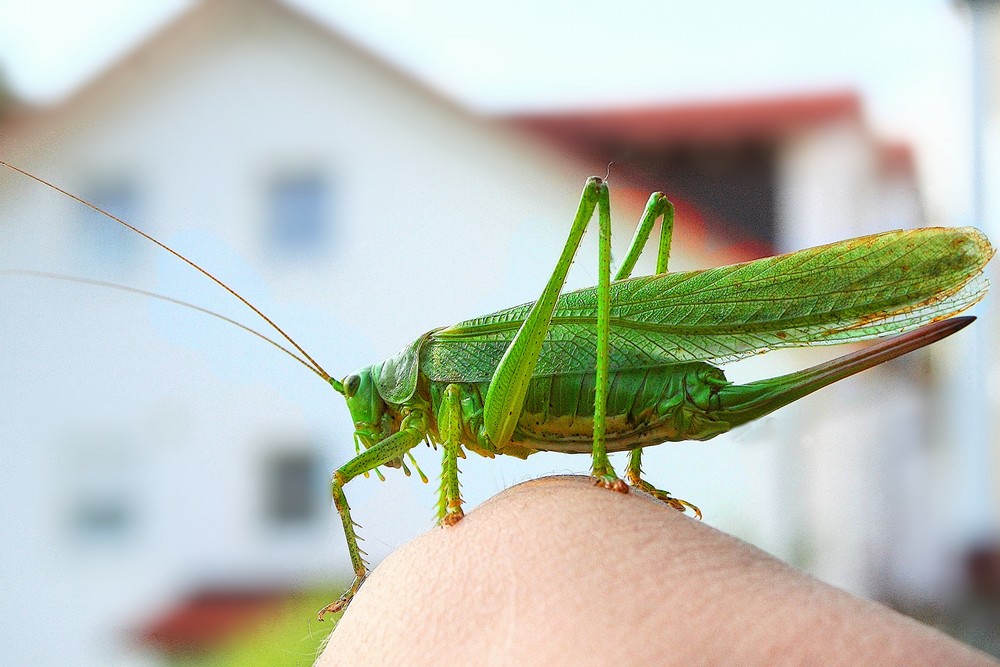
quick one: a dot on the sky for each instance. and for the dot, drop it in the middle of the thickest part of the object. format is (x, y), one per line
(909, 59)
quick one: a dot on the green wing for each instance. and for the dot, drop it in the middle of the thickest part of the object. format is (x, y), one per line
(847, 291)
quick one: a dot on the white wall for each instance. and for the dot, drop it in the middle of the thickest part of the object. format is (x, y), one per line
(870, 462)
(438, 216)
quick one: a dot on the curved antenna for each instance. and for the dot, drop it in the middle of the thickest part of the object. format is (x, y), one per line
(162, 297)
(315, 366)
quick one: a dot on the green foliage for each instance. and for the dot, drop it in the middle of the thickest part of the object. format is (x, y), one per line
(292, 638)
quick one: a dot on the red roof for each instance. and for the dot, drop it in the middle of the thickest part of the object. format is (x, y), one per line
(212, 618)
(703, 122)
(896, 157)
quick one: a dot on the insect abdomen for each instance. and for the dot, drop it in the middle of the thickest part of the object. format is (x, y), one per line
(645, 406)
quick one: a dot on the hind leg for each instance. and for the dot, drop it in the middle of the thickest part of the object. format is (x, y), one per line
(509, 384)
(658, 205)
(634, 475)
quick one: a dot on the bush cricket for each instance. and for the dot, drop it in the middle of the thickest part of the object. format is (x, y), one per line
(630, 362)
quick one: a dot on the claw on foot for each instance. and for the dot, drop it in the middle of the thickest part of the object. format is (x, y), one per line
(681, 506)
(452, 512)
(345, 599)
(332, 608)
(451, 518)
(611, 482)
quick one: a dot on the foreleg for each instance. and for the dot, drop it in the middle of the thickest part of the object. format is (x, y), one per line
(412, 431)
(601, 467)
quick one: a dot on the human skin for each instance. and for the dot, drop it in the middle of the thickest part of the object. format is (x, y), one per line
(558, 571)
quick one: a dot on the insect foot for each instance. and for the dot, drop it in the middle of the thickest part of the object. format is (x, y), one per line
(682, 505)
(453, 514)
(344, 600)
(611, 482)
(663, 496)
(451, 518)
(331, 608)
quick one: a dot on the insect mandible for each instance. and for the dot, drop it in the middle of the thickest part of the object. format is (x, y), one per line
(628, 363)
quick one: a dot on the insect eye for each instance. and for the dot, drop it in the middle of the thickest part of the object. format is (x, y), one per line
(351, 385)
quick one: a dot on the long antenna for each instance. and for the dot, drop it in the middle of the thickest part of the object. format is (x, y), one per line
(319, 369)
(162, 297)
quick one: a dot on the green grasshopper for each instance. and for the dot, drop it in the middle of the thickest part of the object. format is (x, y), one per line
(628, 363)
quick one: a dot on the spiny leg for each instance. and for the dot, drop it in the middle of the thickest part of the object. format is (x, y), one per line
(657, 205)
(634, 475)
(509, 384)
(450, 428)
(601, 467)
(412, 431)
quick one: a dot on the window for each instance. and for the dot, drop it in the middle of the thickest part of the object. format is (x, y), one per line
(298, 216)
(105, 240)
(293, 489)
(102, 493)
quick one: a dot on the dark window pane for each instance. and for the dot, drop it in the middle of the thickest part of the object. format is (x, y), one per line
(104, 239)
(291, 489)
(101, 493)
(102, 518)
(299, 210)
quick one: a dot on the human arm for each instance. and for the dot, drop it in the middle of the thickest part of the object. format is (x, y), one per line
(557, 571)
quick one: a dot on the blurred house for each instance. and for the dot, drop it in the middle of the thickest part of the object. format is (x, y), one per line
(974, 614)
(784, 172)
(154, 454)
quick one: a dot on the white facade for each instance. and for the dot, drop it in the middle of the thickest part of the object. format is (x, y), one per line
(865, 461)
(141, 439)
(138, 436)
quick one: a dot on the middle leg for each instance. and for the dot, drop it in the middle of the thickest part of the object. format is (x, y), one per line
(509, 385)
(450, 429)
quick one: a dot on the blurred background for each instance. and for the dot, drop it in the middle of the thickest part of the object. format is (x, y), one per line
(366, 172)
